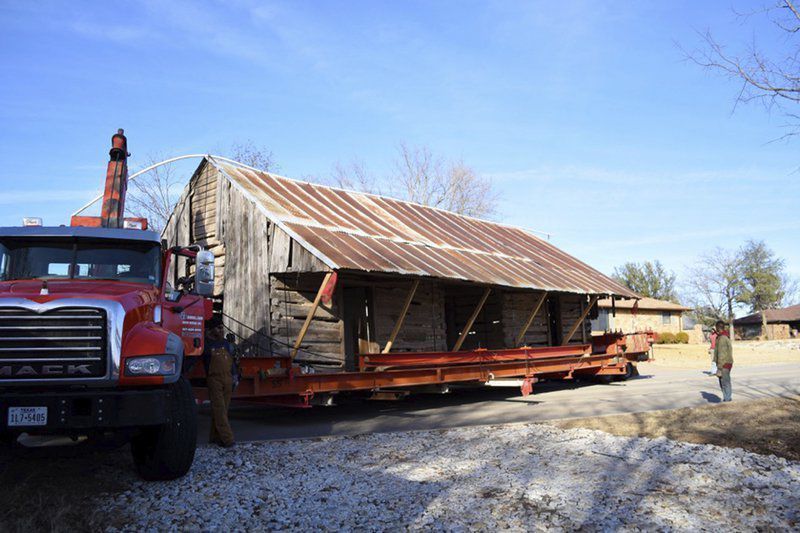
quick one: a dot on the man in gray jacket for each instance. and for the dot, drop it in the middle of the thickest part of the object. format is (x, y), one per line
(723, 358)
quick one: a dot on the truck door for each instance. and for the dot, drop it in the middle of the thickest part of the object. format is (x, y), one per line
(185, 318)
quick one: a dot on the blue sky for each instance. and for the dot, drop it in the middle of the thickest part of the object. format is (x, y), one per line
(587, 116)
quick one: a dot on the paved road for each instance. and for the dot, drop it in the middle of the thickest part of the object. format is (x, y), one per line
(657, 388)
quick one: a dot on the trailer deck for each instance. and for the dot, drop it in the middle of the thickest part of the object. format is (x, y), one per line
(277, 380)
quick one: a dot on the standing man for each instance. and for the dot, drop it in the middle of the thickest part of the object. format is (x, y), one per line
(713, 371)
(219, 363)
(723, 358)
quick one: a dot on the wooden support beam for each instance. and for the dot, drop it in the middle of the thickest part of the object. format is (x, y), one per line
(471, 320)
(310, 317)
(528, 322)
(580, 320)
(402, 317)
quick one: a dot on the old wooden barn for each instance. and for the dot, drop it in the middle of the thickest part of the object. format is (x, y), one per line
(400, 276)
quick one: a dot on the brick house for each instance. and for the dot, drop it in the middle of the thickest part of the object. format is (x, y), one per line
(651, 315)
(781, 323)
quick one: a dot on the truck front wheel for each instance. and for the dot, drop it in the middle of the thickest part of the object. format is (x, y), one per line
(167, 451)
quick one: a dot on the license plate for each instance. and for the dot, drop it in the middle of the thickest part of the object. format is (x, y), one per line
(27, 416)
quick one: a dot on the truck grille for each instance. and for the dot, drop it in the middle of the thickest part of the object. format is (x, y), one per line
(67, 342)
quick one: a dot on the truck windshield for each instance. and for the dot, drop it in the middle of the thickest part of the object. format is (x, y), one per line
(138, 262)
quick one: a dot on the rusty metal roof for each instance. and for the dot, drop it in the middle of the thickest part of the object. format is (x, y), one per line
(366, 232)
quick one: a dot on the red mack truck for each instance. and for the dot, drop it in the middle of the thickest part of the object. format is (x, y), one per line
(94, 340)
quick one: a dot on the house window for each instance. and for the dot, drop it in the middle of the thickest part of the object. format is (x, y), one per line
(666, 317)
(601, 322)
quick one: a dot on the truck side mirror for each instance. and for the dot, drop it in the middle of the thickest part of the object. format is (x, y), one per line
(204, 273)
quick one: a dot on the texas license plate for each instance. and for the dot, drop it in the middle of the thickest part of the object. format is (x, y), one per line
(27, 416)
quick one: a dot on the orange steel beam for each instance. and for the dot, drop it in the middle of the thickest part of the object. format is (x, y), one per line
(580, 320)
(353, 381)
(528, 322)
(402, 317)
(471, 320)
(473, 356)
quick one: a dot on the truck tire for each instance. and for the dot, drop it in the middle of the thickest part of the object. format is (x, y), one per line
(167, 451)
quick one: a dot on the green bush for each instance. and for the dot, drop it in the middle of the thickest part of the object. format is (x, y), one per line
(666, 338)
(682, 338)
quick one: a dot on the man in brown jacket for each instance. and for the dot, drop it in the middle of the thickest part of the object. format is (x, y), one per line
(723, 358)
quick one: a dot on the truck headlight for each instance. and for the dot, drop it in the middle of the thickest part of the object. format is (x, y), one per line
(151, 365)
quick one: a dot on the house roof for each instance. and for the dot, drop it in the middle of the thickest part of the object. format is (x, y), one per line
(650, 304)
(786, 314)
(365, 232)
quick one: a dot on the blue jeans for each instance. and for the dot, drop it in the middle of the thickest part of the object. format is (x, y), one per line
(725, 384)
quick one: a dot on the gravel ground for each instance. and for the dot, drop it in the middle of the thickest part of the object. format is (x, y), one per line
(514, 477)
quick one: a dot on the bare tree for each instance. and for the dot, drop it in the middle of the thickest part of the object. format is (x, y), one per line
(153, 195)
(427, 179)
(774, 81)
(355, 176)
(715, 285)
(254, 156)
(422, 177)
(791, 290)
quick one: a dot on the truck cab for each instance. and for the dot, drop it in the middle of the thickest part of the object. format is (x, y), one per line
(95, 339)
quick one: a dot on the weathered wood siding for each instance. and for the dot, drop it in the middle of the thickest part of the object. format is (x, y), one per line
(517, 307)
(291, 298)
(423, 328)
(248, 248)
(194, 221)
(486, 331)
(572, 306)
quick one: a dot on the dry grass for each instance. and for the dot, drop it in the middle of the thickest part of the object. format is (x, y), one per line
(745, 353)
(765, 426)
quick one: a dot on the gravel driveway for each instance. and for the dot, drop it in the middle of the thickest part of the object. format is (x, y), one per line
(517, 477)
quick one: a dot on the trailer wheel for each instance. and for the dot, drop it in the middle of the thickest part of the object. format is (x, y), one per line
(630, 372)
(167, 451)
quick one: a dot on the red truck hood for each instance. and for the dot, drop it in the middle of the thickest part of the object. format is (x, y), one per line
(130, 295)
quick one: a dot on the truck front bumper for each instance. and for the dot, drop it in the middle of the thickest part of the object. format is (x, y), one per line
(71, 411)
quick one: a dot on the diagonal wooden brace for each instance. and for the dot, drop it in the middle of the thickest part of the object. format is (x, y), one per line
(528, 322)
(580, 320)
(402, 317)
(471, 320)
(310, 316)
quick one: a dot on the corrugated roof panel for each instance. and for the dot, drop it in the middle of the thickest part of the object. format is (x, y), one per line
(358, 231)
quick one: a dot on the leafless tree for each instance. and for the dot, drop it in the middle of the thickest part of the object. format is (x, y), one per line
(153, 195)
(774, 81)
(715, 284)
(791, 290)
(258, 157)
(355, 176)
(422, 177)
